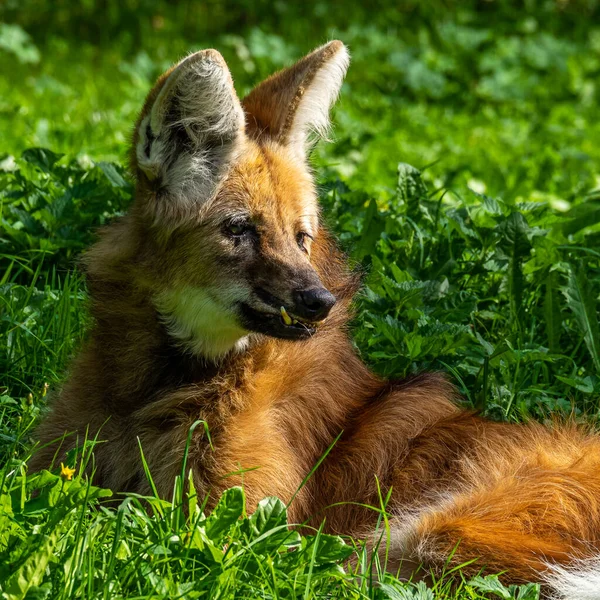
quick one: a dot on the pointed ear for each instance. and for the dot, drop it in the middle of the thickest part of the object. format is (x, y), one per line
(189, 129)
(291, 104)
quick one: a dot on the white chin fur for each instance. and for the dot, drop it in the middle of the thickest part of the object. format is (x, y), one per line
(202, 325)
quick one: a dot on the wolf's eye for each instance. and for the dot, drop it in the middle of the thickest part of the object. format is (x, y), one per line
(301, 238)
(237, 228)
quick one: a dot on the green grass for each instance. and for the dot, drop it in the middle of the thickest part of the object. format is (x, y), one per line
(73, 546)
(482, 259)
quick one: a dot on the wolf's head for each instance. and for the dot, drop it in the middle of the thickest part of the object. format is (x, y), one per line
(226, 196)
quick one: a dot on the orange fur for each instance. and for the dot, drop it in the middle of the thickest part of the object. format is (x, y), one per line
(508, 496)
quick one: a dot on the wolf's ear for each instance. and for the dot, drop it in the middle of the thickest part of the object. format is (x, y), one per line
(189, 128)
(290, 105)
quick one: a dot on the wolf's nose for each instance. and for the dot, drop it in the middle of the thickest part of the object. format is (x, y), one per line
(313, 303)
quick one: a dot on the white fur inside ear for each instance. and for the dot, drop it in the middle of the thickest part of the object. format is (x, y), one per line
(312, 114)
(192, 130)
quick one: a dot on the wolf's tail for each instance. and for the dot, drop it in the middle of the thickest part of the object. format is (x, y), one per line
(578, 581)
(532, 513)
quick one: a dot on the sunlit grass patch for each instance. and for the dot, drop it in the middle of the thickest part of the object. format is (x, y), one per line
(60, 539)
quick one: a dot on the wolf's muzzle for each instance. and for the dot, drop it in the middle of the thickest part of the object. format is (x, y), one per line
(313, 304)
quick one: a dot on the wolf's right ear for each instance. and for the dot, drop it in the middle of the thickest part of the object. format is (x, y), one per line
(294, 103)
(188, 131)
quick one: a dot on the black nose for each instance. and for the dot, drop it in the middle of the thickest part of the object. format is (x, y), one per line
(313, 303)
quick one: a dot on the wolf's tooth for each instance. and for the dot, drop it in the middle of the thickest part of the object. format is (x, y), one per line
(284, 315)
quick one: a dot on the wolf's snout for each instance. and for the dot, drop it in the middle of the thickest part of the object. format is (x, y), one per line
(313, 303)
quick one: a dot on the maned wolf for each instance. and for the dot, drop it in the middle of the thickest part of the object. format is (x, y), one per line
(220, 296)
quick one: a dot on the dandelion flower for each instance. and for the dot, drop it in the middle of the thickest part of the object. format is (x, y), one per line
(66, 472)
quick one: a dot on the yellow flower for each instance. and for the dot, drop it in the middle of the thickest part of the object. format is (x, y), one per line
(66, 472)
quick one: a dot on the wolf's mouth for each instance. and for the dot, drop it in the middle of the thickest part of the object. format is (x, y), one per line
(283, 325)
(289, 320)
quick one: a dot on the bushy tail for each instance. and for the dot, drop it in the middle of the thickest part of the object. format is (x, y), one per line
(531, 512)
(578, 581)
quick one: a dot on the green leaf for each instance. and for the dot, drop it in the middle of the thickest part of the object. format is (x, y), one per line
(113, 176)
(330, 549)
(514, 241)
(411, 190)
(587, 385)
(31, 572)
(527, 591)
(269, 513)
(491, 585)
(42, 158)
(581, 216)
(582, 302)
(372, 229)
(268, 527)
(226, 514)
(409, 591)
(552, 314)
(18, 42)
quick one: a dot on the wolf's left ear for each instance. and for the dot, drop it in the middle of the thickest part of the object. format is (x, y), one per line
(188, 131)
(290, 105)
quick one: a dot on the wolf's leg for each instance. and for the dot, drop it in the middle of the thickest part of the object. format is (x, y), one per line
(362, 464)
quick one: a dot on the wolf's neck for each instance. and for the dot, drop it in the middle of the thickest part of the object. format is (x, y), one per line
(140, 358)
